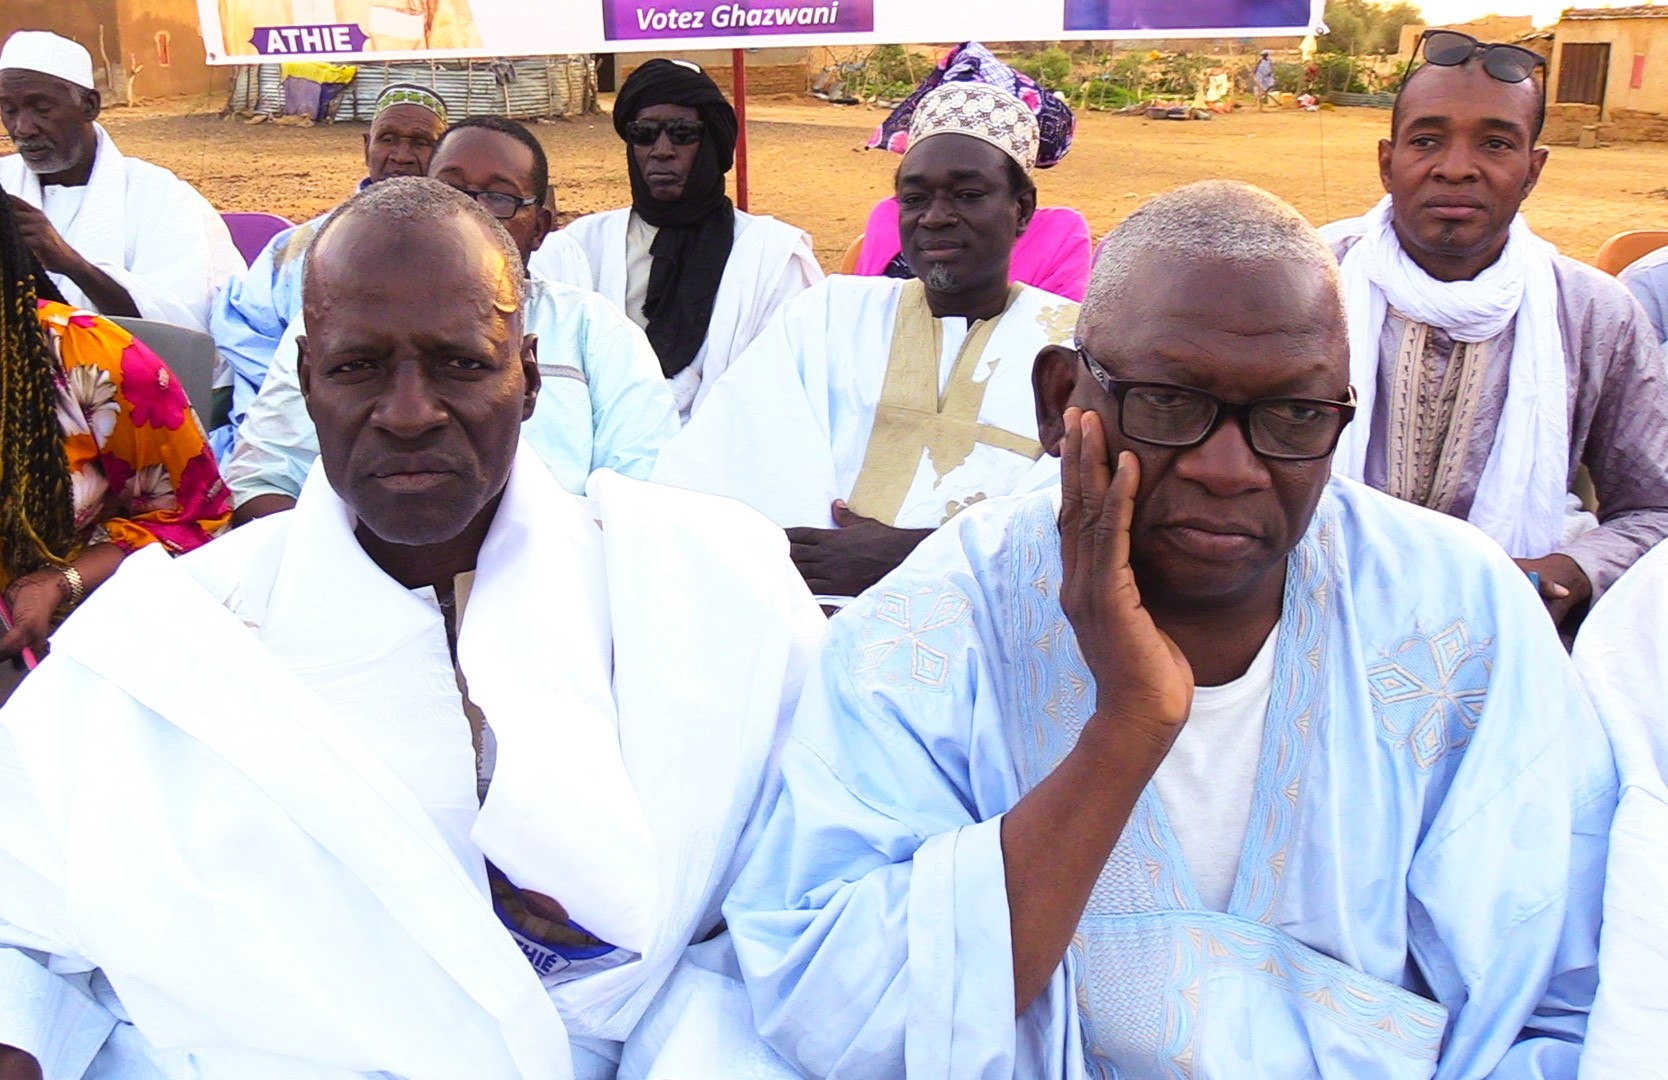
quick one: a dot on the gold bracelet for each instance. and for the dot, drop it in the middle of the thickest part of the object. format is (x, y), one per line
(77, 587)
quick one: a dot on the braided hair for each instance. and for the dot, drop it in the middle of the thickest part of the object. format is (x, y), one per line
(37, 514)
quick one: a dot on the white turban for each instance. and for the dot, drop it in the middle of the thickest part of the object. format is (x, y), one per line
(49, 54)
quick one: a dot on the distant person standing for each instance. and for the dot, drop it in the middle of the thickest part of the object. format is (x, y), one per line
(118, 236)
(1262, 79)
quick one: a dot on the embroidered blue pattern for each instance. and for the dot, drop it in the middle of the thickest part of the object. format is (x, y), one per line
(1139, 978)
(1428, 692)
(1399, 1021)
(1300, 660)
(926, 622)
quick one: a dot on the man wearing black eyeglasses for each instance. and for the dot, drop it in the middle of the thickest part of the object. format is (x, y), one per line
(1490, 368)
(1204, 764)
(699, 276)
(603, 403)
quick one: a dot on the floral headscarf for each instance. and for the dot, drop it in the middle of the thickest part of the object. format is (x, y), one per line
(972, 62)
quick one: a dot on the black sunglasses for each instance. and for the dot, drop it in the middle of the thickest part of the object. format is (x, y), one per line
(1450, 48)
(1179, 417)
(681, 132)
(499, 204)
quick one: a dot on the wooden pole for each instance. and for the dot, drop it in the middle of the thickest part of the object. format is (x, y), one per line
(738, 70)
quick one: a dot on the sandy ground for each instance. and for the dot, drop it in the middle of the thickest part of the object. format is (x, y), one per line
(808, 166)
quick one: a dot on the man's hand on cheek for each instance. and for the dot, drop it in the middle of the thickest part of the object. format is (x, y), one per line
(856, 553)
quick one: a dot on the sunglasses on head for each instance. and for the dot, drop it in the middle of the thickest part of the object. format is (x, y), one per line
(1450, 48)
(681, 132)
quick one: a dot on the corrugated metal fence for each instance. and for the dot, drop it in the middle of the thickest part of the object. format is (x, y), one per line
(1368, 101)
(518, 87)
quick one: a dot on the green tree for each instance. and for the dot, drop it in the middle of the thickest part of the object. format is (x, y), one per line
(1393, 19)
(1051, 67)
(1347, 30)
(1359, 27)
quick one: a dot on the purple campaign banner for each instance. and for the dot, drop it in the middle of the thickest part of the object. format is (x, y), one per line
(637, 20)
(320, 40)
(1124, 15)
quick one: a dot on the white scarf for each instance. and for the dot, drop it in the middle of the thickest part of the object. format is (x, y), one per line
(631, 753)
(561, 817)
(1520, 499)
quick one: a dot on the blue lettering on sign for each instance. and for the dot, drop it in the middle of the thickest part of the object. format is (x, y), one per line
(544, 961)
(308, 40)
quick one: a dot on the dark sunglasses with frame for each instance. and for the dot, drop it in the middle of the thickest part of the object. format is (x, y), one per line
(681, 132)
(1178, 417)
(1450, 48)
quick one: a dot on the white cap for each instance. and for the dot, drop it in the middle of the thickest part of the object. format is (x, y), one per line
(985, 112)
(49, 54)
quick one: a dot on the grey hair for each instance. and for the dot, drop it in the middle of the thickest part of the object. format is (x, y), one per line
(419, 199)
(1215, 221)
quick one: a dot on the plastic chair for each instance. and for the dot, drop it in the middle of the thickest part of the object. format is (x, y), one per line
(189, 354)
(848, 261)
(1622, 250)
(251, 232)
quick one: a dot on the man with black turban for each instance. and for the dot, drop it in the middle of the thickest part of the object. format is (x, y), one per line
(699, 276)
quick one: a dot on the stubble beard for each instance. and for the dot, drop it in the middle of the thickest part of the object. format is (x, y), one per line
(941, 278)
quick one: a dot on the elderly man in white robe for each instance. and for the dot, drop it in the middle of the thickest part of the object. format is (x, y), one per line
(1203, 764)
(604, 405)
(119, 236)
(439, 780)
(1490, 367)
(699, 276)
(872, 410)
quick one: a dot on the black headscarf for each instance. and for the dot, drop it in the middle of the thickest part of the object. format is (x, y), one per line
(696, 232)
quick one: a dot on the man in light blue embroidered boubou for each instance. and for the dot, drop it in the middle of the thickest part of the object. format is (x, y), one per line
(1049, 812)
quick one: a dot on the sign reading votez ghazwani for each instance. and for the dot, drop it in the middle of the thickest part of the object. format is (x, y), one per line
(258, 31)
(632, 20)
